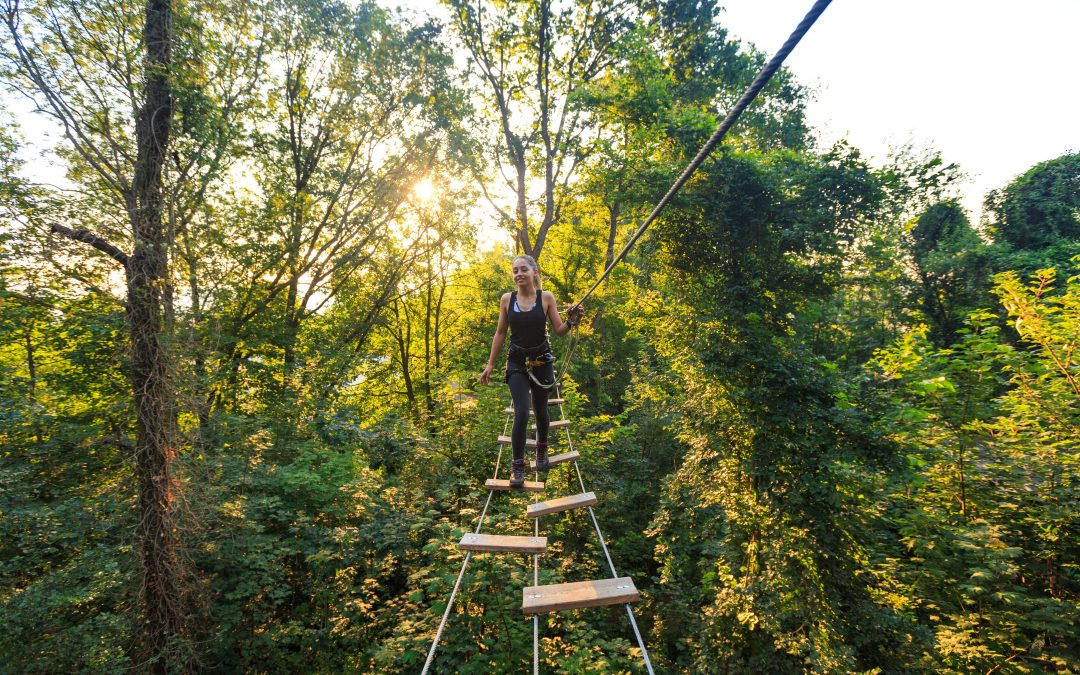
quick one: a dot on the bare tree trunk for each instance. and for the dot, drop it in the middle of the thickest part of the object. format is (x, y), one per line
(31, 367)
(147, 274)
(438, 319)
(428, 399)
(614, 210)
(403, 337)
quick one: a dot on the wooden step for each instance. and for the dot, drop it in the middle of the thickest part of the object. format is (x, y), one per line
(560, 504)
(558, 459)
(555, 424)
(557, 597)
(504, 484)
(502, 542)
(505, 440)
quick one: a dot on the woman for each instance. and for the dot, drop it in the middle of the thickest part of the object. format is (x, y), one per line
(530, 365)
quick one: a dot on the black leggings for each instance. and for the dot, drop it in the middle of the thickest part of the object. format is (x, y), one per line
(520, 384)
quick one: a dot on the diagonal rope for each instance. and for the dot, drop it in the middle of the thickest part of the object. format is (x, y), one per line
(603, 545)
(464, 565)
(751, 93)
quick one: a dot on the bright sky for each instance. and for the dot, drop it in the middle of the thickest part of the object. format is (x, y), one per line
(992, 84)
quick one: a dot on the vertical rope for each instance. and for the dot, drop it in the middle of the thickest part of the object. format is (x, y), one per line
(536, 582)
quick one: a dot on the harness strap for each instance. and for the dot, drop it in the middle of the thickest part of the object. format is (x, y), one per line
(528, 369)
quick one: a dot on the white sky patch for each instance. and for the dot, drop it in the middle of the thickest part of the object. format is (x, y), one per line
(989, 83)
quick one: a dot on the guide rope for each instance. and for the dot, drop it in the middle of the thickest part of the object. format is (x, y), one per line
(733, 115)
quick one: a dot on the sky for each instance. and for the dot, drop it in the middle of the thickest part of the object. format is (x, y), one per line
(992, 85)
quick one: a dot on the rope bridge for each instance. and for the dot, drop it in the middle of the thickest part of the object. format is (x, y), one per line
(537, 599)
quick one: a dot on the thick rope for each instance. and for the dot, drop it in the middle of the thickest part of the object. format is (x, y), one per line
(751, 93)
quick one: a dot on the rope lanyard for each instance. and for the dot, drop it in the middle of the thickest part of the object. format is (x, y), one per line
(567, 355)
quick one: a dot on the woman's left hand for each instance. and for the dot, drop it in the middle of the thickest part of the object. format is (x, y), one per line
(574, 314)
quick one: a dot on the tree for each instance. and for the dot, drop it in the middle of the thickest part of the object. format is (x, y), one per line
(1039, 208)
(535, 59)
(138, 180)
(988, 427)
(952, 265)
(117, 81)
(771, 571)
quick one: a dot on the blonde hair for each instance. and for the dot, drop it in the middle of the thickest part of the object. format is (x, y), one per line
(535, 268)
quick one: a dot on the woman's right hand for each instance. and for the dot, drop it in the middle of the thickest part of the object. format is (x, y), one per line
(485, 376)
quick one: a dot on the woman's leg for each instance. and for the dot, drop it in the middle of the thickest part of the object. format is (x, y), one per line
(543, 419)
(540, 407)
(519, 392)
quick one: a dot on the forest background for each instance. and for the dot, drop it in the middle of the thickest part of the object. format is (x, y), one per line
(832, 423)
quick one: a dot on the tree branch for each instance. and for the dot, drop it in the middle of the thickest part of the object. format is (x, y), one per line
(88, 237)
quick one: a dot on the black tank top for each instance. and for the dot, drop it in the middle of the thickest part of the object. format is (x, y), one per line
(527, 329)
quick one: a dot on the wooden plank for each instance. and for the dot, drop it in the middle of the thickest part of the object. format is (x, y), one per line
(503, 543)
(555, 424)
(558, 459)
(560, 504)
(557, 597)
(556, 401)
(505, 440)
(504, 484)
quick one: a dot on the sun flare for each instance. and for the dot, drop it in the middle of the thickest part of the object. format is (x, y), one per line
(424, 190)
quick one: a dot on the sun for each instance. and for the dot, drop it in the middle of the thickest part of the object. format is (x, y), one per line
(424, 190)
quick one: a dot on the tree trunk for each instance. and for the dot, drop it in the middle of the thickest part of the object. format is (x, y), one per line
(147, 274)
(403, 337)
(614, 210)
(428, 399)
(31, 367)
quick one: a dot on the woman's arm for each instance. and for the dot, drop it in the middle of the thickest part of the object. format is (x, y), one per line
(561, 327)
(498, 339)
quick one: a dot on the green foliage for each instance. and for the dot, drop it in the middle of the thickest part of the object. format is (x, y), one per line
(982, 510)
(1039, 208)
(797, 473)
(953, 267)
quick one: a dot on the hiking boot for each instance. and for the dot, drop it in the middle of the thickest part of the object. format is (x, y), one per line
(517, 473)
(541, 456)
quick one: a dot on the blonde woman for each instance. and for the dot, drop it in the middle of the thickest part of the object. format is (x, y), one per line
(530, 364)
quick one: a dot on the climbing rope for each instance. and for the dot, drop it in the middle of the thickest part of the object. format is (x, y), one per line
(748, 97)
